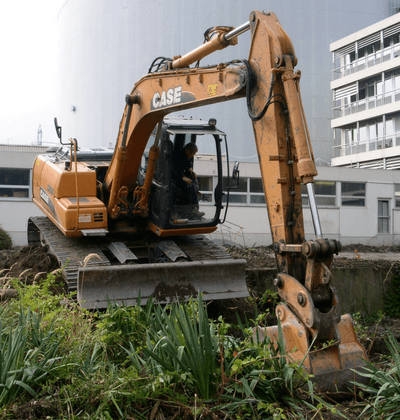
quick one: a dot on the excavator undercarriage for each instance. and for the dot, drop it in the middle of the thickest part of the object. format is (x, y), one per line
(122, 271)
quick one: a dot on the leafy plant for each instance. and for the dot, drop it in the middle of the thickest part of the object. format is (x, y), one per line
(392, 295)
(121, 325)
(27, 356)
(268, 301)
(384, 386)
(244, 377)
(180, 344)
(261, 373)
(5, 239)
(42, 297)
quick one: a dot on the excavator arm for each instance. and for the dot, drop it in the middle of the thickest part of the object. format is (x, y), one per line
(311, 312)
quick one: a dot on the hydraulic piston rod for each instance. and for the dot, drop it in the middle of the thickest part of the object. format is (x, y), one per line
(216, 43)
(237, 31)
(314, 210)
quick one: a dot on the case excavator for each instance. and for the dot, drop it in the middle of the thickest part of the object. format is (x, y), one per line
(121, 215)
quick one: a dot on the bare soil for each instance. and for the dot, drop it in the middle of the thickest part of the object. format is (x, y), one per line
(28, 261)
(351, 256)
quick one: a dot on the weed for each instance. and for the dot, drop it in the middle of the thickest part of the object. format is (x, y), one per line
(5, 239)
(392, 295)
(384, 387)
(27, 356)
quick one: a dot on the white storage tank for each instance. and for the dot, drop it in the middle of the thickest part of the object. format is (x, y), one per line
(105, 46)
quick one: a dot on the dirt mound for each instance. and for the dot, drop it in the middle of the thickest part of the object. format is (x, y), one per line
(30, 260)
(26, 262)
(367, 249)
(351, 256)
(257, 257)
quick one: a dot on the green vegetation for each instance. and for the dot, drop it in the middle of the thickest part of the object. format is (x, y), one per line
(59, 361)
(384, 387)
(5, 240)
(392, 295)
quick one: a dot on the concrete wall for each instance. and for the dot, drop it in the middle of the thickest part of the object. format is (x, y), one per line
(15, 212)
(17, 227)
(359, 289)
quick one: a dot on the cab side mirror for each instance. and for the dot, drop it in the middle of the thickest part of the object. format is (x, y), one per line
(235, 176)
(58, 129)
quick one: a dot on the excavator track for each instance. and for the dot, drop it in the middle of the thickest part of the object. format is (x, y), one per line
(70, 252)
(162, 268)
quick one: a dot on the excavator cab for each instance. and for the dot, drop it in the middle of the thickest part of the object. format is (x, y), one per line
(172, 207)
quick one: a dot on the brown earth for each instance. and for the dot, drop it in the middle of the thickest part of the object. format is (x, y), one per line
(350, 256)
(27, 261)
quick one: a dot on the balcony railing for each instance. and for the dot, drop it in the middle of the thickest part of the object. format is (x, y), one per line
(377, 143)
(370, 60)
(367, 103)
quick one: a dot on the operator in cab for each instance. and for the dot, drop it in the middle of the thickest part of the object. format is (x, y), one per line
(186, 179)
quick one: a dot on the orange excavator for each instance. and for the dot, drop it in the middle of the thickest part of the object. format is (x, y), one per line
(122, 216)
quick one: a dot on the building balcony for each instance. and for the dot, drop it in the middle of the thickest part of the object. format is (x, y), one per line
(367, 103)
(370, 145)
(365, 62)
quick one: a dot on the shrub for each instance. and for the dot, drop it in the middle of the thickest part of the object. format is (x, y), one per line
(384, 386)
(5, 240)
(392, 295)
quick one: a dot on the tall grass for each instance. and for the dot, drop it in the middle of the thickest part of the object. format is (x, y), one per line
(180, 342)
(384, 387)
(184, 349)
(27, 356)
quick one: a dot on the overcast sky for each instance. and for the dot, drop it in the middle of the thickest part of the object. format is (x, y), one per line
(28, 50)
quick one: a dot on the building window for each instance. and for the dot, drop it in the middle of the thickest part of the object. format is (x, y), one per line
(367, 52)
(397, 195)
(325, 193)
(256, 191)
(383, 216)
(236, 195)
(205, 188)
(14, 183)
(250, 191)
(353, 193)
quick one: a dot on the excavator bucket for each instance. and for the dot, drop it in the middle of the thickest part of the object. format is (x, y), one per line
(165, 282)
(333, 366)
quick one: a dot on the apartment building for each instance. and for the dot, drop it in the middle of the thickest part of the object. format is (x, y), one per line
(366, 97)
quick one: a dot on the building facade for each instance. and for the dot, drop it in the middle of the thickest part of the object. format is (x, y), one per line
(353, 206)
(366, 94)
(16, 205)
